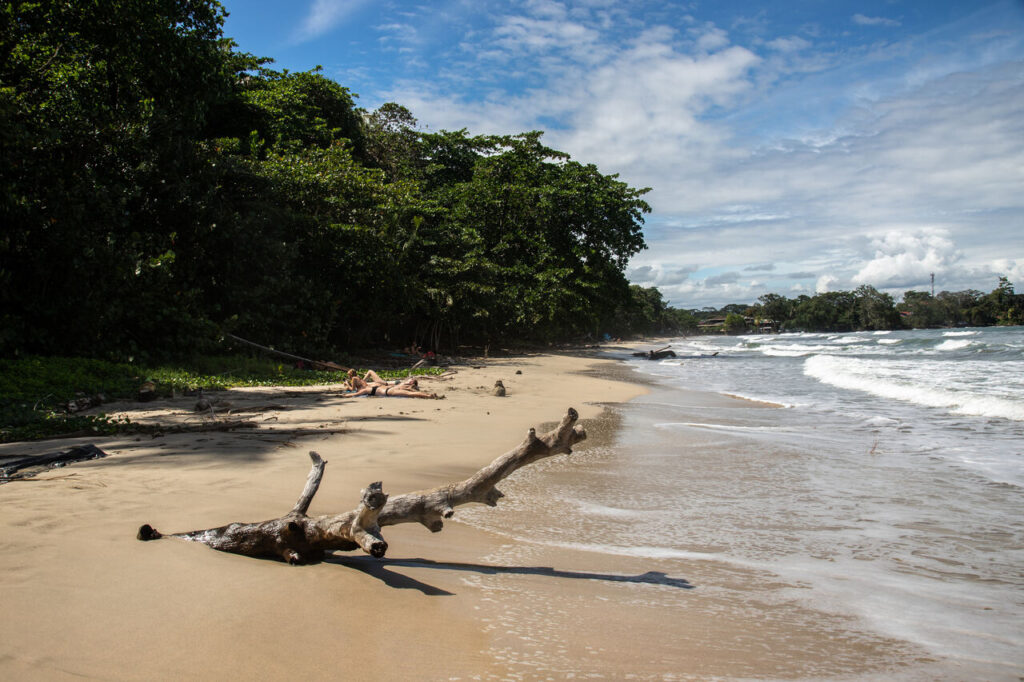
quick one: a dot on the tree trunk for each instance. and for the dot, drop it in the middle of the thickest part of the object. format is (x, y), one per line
(298, 538)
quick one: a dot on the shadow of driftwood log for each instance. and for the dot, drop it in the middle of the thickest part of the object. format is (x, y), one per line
(380, 569)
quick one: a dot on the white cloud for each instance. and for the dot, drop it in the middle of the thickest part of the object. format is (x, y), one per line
(723, 278)
(788, 44)
(659, 276)
(862, 20)
(1011, 269)
(640, 111)
(825, 284)
(711, 39)
(632, 108)
(906, 259)
(547, 9)
(527, 34)
(394, 32)
(323, 16)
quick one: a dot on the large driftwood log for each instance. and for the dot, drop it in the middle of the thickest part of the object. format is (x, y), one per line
(298, 538)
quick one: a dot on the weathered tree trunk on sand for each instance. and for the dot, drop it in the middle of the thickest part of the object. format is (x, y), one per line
(298, 538)
(78, 453)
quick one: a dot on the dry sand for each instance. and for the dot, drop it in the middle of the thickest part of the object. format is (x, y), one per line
(82, 598)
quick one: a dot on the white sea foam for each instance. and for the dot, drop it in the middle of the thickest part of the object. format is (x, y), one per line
(954, 344)
(771, 402)
(870, 376)
(723, 427)
(785, 353)
(591, 509)
(965, 333)
(792, 350)
(882, 421)
(644, 551)
(889, 342)
(960, 616)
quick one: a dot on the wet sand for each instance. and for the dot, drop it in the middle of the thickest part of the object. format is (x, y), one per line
(83, 598)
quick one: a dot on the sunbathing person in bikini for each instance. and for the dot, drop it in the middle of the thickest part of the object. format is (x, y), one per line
(371, 378)
(372, 385)
(405, 390)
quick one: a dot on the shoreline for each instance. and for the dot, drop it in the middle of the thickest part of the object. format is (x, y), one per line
(474, 601)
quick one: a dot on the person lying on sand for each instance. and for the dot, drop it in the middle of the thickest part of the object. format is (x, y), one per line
(372, 385)
(405, 390)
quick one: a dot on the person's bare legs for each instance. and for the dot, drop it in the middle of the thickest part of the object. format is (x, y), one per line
(373, 377)
(405, 392)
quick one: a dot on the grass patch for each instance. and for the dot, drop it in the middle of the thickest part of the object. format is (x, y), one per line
(35, 390)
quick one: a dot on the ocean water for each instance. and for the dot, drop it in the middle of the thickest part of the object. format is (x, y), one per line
(881, 474)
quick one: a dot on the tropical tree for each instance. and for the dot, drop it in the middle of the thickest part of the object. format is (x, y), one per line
(99, 138)
(392, 142)
(1004, 304)
(922, 310)
(527, 241)
(775, 309)
(874, 309)
(735, 324)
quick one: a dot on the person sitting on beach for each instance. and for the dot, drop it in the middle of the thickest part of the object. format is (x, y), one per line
(371, 378)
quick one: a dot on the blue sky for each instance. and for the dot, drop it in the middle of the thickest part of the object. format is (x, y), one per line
(792, 146)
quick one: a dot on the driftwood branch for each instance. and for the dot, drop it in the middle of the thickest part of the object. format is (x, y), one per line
(76, 454)
(298, 538)
(229, 425)
(312, 484)
(316, 364)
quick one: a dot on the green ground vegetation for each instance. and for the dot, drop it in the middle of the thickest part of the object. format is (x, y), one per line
(34, 391)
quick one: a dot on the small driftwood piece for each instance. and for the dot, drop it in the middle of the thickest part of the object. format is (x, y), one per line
(230, 425)
(299, 539)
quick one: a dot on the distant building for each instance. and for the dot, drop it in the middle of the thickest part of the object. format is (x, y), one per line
(711, 325)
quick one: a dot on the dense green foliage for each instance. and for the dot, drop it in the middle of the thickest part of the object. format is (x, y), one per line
(868, 309)
(160, 188)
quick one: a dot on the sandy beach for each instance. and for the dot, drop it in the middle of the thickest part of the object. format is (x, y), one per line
(84, 599)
